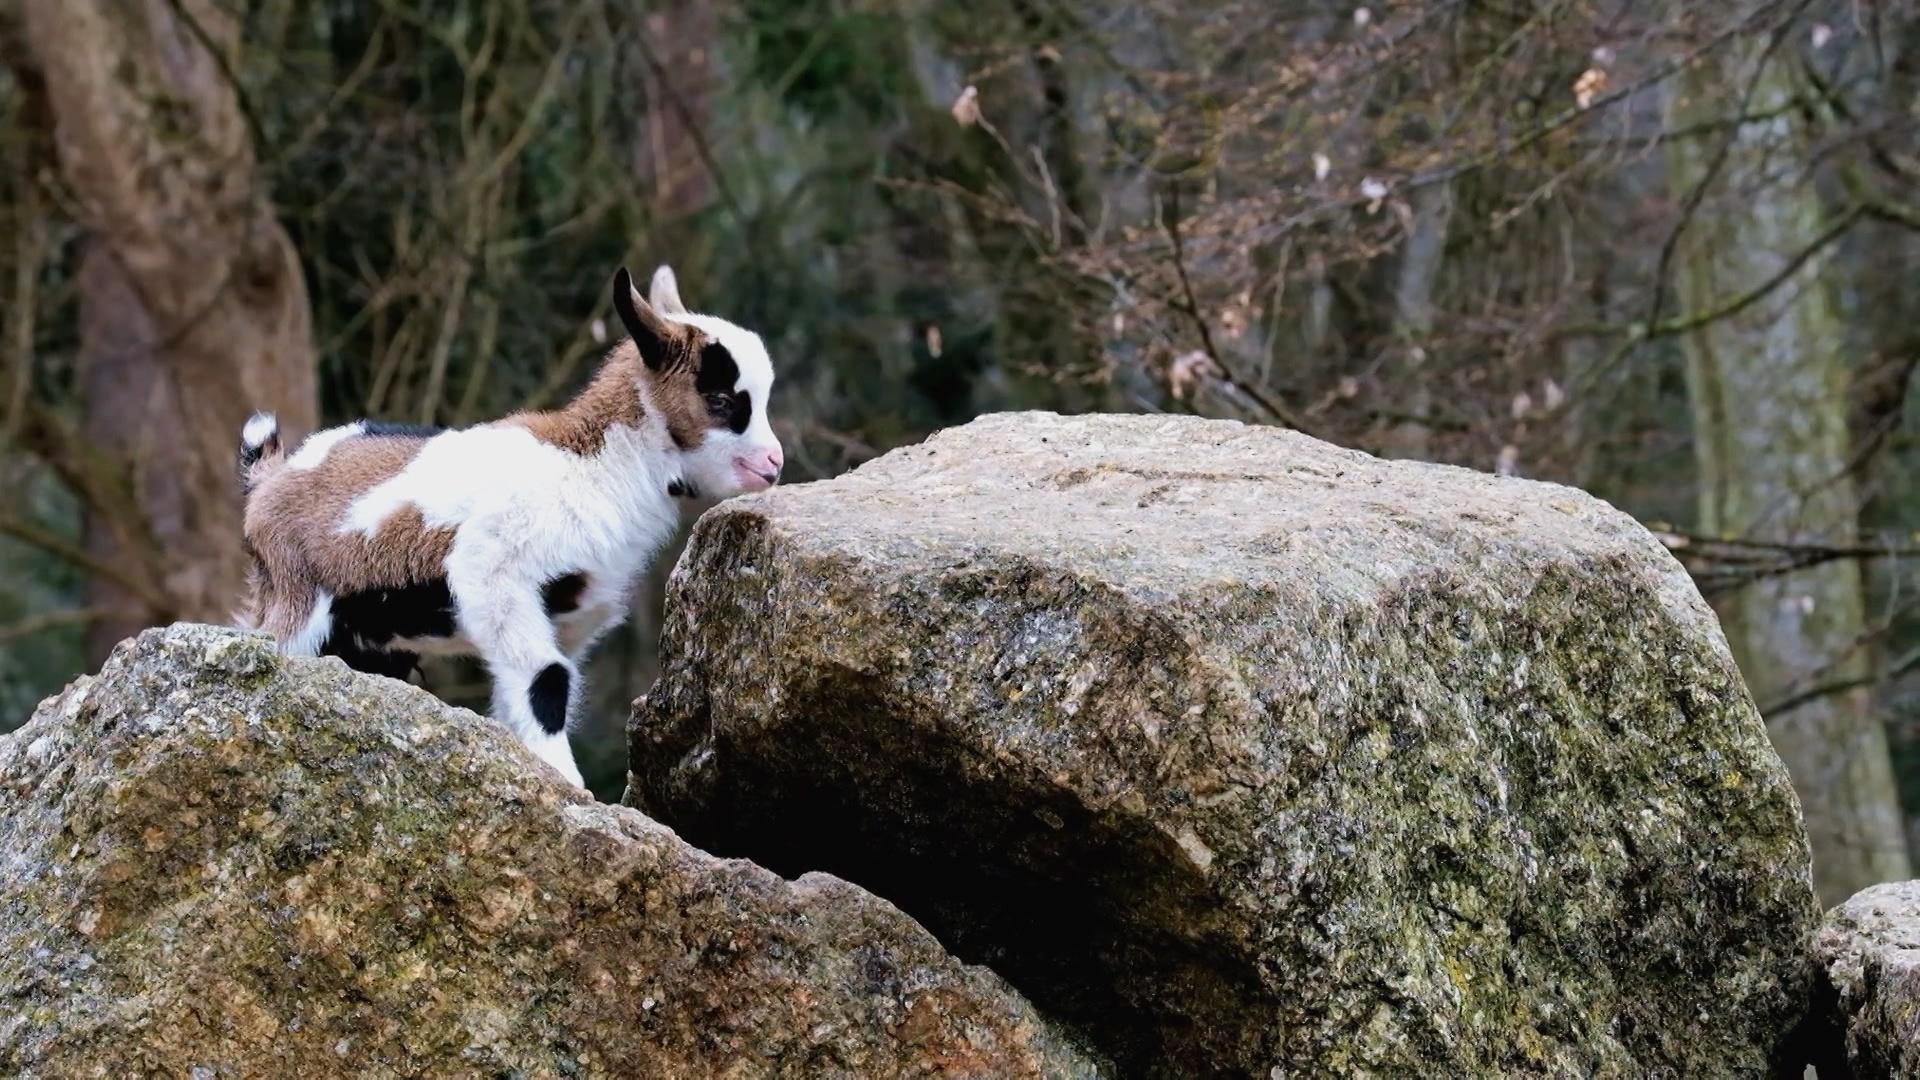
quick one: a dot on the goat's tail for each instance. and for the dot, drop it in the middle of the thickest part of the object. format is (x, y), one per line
(259, 447)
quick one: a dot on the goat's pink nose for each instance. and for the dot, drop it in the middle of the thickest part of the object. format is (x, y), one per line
(764, 464)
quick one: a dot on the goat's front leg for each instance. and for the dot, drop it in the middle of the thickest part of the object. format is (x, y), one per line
(534, 684)
(578, 636)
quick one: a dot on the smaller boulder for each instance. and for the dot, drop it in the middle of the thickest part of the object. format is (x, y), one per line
(218, 862)
(1867, 985)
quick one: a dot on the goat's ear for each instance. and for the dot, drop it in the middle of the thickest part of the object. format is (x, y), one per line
(665, 292)
(649, 331)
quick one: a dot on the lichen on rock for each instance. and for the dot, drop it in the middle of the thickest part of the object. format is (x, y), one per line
(221, 863)
(1248, 755)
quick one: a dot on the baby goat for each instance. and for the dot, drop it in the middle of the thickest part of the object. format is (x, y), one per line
(517, 540)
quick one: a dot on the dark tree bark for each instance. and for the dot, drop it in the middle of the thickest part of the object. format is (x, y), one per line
(194, 311)
(681, 38)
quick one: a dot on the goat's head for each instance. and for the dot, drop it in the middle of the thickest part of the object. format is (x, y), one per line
(710, 381)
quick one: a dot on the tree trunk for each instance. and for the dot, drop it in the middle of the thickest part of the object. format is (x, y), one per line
(1768, 385)
(1879, 276)
(1416, 280)
(193, 308)
(682, 38)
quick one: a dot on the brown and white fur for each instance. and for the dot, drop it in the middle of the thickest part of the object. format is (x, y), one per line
(517, 540)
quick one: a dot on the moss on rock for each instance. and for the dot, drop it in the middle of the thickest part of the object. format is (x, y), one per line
(221, 863)
(1249, 755)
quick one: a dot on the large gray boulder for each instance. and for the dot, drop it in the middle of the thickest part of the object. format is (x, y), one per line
(1249, 755)
(215, 863)
(1867, 985)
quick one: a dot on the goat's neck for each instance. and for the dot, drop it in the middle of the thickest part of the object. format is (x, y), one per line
(610, 402)
(636, 452)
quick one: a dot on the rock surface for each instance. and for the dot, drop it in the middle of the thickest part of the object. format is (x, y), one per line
(1867, 960)
(216, 863)
(1248, 755)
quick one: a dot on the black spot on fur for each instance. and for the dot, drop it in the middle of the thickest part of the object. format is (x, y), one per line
(250, 456)
(732, 410)
(682, 489)
(742, 412)
(399, 429)
(718, 371)
(548, 698)
(727, 407)
(563, 593)
(374, 617)
(393, 663)
(251, 453)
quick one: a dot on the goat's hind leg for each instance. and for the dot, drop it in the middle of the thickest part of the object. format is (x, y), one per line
(533, 682)
(300, 623)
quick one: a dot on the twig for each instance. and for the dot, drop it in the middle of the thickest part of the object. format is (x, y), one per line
(54, 545)
(53, 620)
(1902, 666)
(1170, 221)
(1682, 541)
(1719, 564)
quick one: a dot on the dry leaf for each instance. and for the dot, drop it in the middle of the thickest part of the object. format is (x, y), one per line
(966, 107)
(1188, 369)
(1375, 192)
(1590, 85)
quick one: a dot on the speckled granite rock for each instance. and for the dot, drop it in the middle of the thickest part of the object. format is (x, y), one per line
(1867, 960)
(1248, 754)
(215, 863)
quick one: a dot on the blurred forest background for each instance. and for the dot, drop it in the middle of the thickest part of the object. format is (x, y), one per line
(1667, 251)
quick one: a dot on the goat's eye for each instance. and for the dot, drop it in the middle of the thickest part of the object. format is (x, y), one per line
(719, 404)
